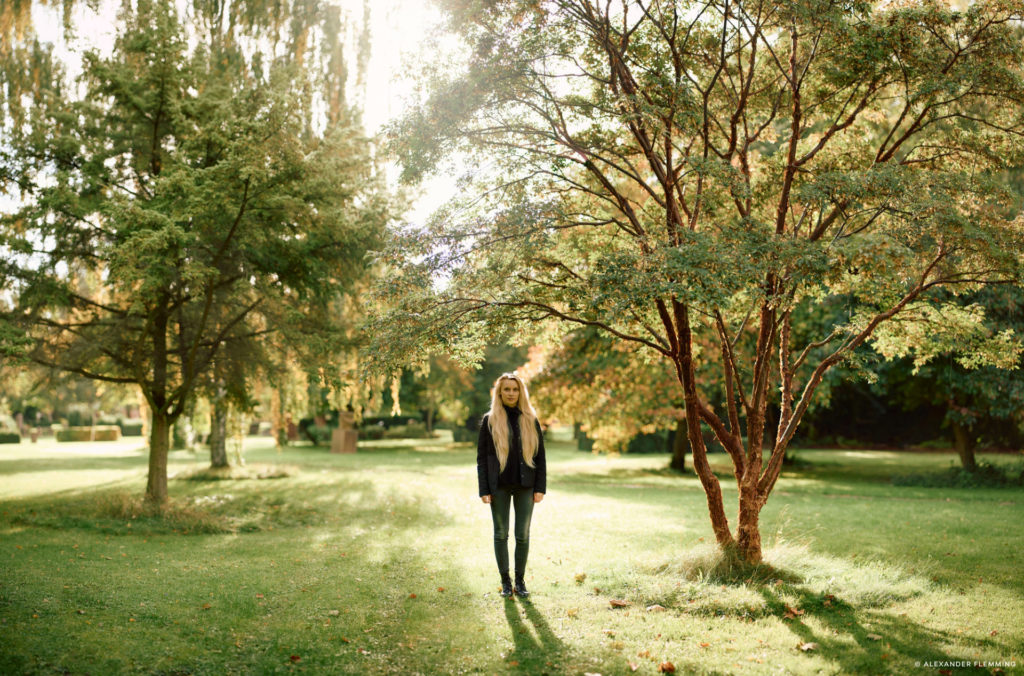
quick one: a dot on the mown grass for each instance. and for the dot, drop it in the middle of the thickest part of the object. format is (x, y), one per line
(381, 562)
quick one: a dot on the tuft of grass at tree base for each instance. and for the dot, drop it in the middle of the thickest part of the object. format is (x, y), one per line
(381, 562)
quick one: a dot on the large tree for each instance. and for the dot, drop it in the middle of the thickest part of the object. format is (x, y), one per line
(656, 169)
(213, 196)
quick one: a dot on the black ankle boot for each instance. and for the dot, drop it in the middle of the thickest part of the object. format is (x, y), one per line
(506, 586)
(521, 587)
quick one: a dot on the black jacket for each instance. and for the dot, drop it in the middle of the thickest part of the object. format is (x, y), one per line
(487, 467)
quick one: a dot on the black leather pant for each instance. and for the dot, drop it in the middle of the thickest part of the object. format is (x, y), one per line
(501, 501)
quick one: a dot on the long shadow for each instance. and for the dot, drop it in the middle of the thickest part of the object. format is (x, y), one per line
(537, 648)
(873, 648)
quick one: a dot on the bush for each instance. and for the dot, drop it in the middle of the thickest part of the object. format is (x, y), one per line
(414, 430)
(131, 428)
(373, 432)
(10, 438)
(986, 475)
(102, 433)
(462, 434)
(319, 434)
(390, 421)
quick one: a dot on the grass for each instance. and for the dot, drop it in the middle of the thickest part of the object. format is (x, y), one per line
(380, 562)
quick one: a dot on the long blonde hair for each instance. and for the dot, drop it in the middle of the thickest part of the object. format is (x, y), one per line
(497, 420)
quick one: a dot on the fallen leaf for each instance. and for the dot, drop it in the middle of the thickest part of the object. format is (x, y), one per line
(644, 653)
(80, 612)
(206, 606)
(580, 578)
(259, 596)
(412, 596)
(993, 633)
(572, 612)
(633, 666)
(619, 603)
(334, 613)
(364, 651)
(946, 672)
(807, 647)
(131, 619)
(655, 608)
(513, 663)
(667, 668)
(704, 645)
(874, 637)
(440, 589)
(294, 658)
(792, 612)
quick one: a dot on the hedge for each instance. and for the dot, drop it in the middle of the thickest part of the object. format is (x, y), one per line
(10, 438)
(102, 433)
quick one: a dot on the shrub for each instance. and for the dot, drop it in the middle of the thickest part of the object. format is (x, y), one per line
(319, 434)
(131, 428)
(373, 432)
(99, 433)
(10, 438)
(986, 475)
(414, 430)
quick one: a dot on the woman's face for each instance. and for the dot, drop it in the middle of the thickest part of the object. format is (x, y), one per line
(509, 391)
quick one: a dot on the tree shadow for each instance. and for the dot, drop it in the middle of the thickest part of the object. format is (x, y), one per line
(858, 641)
(537, 648)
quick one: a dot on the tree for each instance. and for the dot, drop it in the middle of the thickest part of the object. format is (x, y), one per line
(662, 169)
(615, 392)
(215, 205)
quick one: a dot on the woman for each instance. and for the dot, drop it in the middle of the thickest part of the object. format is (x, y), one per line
(511, 470)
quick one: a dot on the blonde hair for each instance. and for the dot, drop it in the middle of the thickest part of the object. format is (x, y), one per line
(497, 420)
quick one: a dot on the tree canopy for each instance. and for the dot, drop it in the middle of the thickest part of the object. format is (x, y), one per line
(664, 170)
(178, 208)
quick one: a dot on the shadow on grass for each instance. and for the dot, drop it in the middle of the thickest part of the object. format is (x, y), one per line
(857, 641)
(536, 651)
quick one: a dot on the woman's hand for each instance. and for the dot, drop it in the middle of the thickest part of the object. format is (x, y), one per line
(486, 499)
(537, 497)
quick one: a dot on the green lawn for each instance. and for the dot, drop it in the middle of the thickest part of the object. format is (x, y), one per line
(381, 562)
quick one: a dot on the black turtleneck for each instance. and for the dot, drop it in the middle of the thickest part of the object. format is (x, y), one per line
(512, 476)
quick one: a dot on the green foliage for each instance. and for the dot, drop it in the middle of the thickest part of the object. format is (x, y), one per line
(185, 212)
(691, 179)
(10, 438)
(985, 475)
(97, 433)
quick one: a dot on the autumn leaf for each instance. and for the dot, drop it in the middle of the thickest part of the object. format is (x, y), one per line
(345, 640)
(807, 647)
(334, 613)
(704, 645)
(644, 653)
(440, 589)
(206, 606)
(993, 633)
(619, 603)
(667, 668)
(874, 637)
(655, 608)
(513, 663)
(581, 578)
(792, 613)
(572, 612)
(412, 596)
(259, 596)
(294, 658)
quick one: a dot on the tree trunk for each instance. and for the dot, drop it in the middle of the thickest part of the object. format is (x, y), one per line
(218, 434)
(430, 421)
(679, 447)
(963, 441)
(159, 443)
